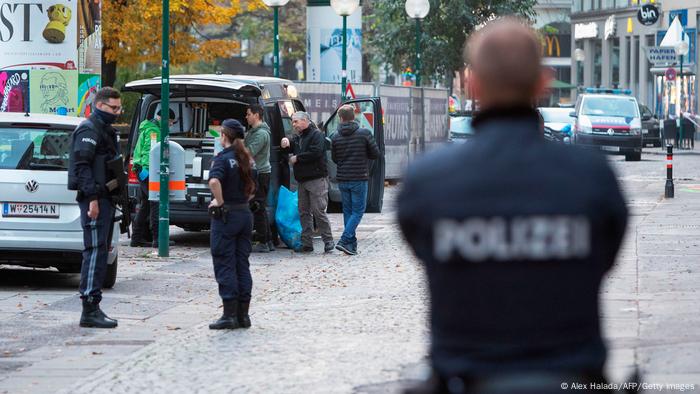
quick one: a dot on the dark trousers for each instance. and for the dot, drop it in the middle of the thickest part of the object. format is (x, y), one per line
(96, 242)
(260, 219)
(230, 249)
(146, 220)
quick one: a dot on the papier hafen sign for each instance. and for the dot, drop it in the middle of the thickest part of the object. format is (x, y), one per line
(54, 46)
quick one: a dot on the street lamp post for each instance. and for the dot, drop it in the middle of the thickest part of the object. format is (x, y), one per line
(276, 4)
(682, 50)
(344, 8)
(417, 9)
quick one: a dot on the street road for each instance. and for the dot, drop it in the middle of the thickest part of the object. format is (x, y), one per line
(333, 323)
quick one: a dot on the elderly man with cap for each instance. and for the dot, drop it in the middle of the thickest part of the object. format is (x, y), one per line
(232, 180)
(309, 161)
(514, 246)
(149, 132)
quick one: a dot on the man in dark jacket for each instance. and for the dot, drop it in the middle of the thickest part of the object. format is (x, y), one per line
(309, 161)
(515, 234)
(94, 144)
(352, 149)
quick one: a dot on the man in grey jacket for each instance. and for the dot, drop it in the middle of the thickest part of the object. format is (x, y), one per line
(257, 140)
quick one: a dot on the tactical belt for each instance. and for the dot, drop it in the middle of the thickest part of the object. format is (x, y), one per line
(237, 206)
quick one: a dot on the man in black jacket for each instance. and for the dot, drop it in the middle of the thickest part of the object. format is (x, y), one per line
(515, 234)
(309, 160)
(94, 144)
(352, 149)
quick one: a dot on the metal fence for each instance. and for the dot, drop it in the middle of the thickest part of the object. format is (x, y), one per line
(415, 119)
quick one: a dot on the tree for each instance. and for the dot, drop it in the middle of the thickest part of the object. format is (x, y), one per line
(132, 31)
(444, 32)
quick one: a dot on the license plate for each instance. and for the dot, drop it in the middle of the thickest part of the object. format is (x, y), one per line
(610, 148)
(29, 210)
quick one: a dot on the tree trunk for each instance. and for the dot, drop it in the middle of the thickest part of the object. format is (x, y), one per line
(109, 71)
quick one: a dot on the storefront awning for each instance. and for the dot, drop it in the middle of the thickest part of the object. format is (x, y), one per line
(557, 84)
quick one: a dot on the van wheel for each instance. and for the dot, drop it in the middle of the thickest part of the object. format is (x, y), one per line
(636, 156)
(111, 277)
(69, 269)
(334, 207)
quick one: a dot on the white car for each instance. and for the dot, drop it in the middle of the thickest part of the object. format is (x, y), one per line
(39, 217)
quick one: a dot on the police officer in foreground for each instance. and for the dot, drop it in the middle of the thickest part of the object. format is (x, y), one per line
(232, 183)
(94, 146)
(516, 235)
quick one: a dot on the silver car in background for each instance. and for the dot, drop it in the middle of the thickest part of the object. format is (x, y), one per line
(39, 217)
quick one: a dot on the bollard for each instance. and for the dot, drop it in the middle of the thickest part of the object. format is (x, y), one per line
(669, 171)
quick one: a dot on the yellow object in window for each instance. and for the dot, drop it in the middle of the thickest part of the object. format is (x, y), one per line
(629, 25)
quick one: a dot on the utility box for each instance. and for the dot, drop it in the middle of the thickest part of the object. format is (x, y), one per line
(176, 170)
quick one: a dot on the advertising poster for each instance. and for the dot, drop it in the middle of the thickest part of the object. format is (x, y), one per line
(324, 37)
(14, 91)
(87, 88)
(38, 33)
(89, 37)
(54, 92)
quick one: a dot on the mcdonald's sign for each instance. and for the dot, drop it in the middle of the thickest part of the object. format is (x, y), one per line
(550, 46)
(556, 45)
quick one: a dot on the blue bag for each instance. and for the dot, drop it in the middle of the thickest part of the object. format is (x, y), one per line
(287, 218)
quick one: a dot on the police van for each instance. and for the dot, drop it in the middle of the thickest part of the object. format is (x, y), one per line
(202, 102)
(608, 119)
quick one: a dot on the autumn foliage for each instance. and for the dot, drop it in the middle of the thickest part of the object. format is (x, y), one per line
(132, 29)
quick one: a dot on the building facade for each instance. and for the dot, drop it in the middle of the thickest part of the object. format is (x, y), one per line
(611, 46)
(554, 25)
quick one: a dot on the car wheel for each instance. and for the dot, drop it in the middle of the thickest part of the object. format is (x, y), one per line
(111, 277)
(636, 156)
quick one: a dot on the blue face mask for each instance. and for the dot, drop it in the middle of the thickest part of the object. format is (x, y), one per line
(106, 117)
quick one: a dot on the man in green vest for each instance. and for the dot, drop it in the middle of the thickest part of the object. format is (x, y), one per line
(257, 140)
(149, 130)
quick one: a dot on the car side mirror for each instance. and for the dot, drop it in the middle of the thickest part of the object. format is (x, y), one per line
(572, 114)
(646, 117)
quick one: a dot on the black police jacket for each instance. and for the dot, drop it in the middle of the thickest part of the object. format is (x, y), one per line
(353, 147)
(93, 144)
(225, 168)
(516, 235)
(310, 149)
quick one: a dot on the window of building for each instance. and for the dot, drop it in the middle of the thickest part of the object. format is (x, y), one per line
(615, 81)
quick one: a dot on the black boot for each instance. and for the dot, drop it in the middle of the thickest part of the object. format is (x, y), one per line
(243, 318)
(229, 320)
(94, 317)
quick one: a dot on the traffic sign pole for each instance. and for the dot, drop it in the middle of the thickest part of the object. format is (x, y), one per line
(164, 212)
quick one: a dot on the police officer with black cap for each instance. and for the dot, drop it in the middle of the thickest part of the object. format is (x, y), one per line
(516, 235)
(94, 146)
(232, 183)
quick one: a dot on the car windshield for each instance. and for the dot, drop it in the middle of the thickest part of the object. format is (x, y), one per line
(461, 125)
(610, 106)
(556, 116)
(34, 148)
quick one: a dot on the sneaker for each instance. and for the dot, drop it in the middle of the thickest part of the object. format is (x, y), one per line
(135, 243)
(328, 247)
(260, 247)
(307, 249)
(345, 249)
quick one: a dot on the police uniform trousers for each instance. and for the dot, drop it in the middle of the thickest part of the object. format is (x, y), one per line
(96, 247)
(230, 249)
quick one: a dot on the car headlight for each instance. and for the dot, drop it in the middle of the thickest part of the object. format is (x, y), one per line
(635, 131)
(584, 125)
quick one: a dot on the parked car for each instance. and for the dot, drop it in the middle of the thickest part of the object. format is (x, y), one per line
(609, 119)
(557, 124)
(201, 102)
(39, 217)
(651, 128)
(460, 127)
